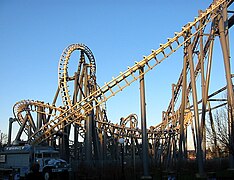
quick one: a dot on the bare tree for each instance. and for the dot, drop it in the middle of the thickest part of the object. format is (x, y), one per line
(218, 132)
(3, 139)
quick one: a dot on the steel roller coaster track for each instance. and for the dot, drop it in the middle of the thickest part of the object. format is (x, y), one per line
(56, 119)
(117, 84)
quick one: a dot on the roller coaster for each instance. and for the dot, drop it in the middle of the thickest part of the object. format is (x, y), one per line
(81, 128)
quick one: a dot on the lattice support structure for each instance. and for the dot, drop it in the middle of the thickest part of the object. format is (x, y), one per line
(83, 112)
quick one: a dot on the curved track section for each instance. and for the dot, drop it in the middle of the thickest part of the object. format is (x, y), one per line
(34, 106)
(31, 105)
(132, 119)
(63, 70)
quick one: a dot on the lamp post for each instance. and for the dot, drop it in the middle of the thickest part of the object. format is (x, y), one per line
(121, 141)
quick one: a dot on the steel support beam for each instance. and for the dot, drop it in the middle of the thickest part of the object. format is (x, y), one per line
(196, 113)
(145, 152)
(22, 128)
(88, 138)
(223, 36)
(39, 117)
(53, 104)
(11, 120)
(182, 109)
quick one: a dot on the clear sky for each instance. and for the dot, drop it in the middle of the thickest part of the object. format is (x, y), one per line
(33, 35)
